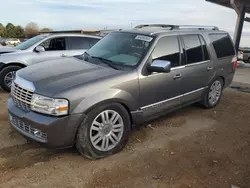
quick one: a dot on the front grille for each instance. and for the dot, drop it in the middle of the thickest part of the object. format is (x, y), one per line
(28, 128)
(21, 97)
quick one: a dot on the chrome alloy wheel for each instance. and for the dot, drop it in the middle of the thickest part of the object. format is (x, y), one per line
(106, 130)
(8, 79)
(215, 92)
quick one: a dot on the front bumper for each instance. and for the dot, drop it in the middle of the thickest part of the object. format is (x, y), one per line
(56, 132)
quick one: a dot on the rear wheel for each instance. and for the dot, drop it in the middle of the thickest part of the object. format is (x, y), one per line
(7, 76)
(213, 94)
(104, 131)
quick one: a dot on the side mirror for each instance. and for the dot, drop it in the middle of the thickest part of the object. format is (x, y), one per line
(39, 49)
(160, 66)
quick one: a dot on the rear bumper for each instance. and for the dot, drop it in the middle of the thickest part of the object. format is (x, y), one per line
(58, 132)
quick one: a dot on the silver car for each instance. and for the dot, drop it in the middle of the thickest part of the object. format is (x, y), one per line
(38, 49)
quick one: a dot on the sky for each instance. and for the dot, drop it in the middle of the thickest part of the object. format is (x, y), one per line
(118, 14)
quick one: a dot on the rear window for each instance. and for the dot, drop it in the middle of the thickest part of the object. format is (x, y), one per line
(222, 44)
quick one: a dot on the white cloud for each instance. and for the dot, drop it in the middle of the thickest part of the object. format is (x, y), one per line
(97, 14)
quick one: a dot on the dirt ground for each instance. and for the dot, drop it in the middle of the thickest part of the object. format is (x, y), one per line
(192, 147)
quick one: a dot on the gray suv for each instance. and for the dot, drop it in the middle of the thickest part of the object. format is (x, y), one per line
(127, 78)
(38, 49)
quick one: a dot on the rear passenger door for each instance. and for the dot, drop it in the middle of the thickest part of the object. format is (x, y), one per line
(198, 70)
(78, 45)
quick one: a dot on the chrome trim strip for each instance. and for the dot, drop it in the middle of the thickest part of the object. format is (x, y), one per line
(161, 102)
(179, 67)
(185, 94)
(199, 63)
(24, 84)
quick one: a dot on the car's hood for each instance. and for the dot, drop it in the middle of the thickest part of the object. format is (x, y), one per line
(51, 77)
(4, 49)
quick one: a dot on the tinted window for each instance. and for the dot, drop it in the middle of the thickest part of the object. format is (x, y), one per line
(54, 44)
(222, 44)
(204, 48)
(167, 49)
(77, 43)
(193, 48)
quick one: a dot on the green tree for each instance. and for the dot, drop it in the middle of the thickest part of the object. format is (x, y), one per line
(2, 29)
(19, 32)
(10, 30)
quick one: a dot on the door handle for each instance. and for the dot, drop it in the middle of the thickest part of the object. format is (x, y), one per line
(210, 68)
(177, 76)
(64, 55)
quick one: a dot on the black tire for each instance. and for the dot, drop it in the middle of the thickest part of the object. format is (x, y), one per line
(3, 73)
(83, 141)
(205, 101)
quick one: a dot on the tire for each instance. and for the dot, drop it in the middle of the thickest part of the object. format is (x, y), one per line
(10, 73)
(210, 100)
(87, 136)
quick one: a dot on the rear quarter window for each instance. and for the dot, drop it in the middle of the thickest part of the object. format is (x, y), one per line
(222, 44)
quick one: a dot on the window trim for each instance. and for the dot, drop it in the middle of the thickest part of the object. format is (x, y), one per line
(221, 58)
(209, 55)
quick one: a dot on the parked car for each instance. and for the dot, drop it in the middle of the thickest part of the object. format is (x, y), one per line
(244, 55)
(13, 42)
(125, 79)
(39, 49)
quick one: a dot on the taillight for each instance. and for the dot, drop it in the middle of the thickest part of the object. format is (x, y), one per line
(235, 64)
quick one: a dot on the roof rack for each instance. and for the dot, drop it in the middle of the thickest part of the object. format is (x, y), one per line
(176, 27)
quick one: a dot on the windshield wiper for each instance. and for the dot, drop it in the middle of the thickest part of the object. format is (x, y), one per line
(106, 61)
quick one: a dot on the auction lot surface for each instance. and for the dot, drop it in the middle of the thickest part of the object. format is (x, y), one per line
(191, 147)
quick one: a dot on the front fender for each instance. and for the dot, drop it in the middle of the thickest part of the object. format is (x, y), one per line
(110, 95)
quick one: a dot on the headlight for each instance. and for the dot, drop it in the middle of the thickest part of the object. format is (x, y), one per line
(46, 105)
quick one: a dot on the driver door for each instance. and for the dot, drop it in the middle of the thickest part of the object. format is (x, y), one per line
(54, 48)
(161, 91)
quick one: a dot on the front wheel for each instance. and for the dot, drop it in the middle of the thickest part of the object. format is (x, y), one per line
(213, 94)
(104, 131)
(7, 76)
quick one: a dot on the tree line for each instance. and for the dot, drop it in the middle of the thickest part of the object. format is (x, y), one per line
(17, 31)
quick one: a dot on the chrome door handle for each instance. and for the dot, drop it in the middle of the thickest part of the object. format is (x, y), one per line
(177, 76)
(64, 55)
(210, 68)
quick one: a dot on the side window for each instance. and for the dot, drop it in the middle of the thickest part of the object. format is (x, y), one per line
(222, 44)
(193, 48)
(93, 41)
(204, 48)
(167, 49)
(54, 44)
(78, 43)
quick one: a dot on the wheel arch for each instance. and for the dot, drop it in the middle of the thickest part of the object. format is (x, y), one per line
(22, 65)
(114, 100)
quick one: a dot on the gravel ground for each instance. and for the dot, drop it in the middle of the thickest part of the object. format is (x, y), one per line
(192, 147)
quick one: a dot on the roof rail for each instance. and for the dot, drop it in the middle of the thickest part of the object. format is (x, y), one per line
(176, 27)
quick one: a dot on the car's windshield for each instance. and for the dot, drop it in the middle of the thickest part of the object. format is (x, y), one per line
(30, 42)
(122, 48)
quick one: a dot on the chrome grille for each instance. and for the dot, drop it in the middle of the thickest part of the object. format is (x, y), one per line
(21, 97)
(28, 128)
